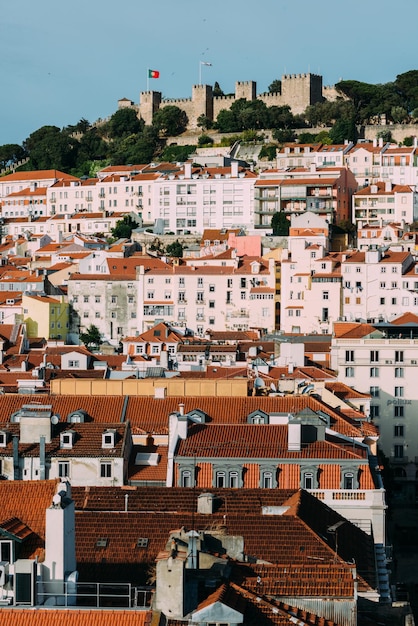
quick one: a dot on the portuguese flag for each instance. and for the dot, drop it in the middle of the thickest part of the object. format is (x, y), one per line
(153, 74)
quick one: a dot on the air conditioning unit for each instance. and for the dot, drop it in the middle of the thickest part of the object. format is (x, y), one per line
(414, 362)
(4, 572)
(388, 362)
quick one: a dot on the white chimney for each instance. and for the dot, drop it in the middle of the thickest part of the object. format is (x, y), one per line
(294, 437)
(60, 558)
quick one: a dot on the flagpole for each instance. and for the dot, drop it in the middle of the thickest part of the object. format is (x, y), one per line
(200, 72)
(147, 80)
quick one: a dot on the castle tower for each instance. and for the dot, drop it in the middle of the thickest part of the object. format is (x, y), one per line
(149, 103)
(246, 90)
(301, 90)
(202, 103)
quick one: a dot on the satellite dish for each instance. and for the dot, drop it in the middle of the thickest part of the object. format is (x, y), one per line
(55, 419)
(258, 383)
(273, 387)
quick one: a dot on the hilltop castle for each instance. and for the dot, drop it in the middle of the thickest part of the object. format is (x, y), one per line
(297, 91)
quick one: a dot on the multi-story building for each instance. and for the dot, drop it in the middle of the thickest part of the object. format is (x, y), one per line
(383, 203)
(381, 359)
(219, 292)
(45, 316)
(326, 191)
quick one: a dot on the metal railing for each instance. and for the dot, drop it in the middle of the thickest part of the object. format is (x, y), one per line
(93, 595)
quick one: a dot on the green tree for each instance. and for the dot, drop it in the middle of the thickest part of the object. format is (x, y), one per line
(92, 337)
(386, 135)
(204, 122)
(217, 91)
(175, 249)
(268, 152)
(170, 121)
(10, 154)
(135, 148)
(176, 153)
(275, 86)
(280, 224)
(399, 115)
(283, 135)
(204, 140)
(407, 84)
(125, 122)
(124, 228)
(280, 117)
(50, 148)
(343, 129)
(226, 122)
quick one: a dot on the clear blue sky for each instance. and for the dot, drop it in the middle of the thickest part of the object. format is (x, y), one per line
(63, 61)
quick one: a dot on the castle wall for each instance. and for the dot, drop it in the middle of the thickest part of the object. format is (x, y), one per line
(298, 92)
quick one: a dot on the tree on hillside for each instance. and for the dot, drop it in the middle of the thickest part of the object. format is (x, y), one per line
(10, 154)
(407, 84)
(275, 86)
(217, 91)
(92, 337)
(124, 228)
(170, 120)
(125, 122)
(280, 224)
(51, 148)
(175, 249)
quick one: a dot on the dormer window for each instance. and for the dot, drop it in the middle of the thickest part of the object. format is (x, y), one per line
(109, 439)
(67, 439)
(3, 439)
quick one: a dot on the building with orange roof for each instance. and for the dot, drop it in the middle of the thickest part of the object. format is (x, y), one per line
(383, 203)
(79, 551)
(380, 359)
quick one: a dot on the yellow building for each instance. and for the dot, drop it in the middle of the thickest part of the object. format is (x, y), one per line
(45, 316)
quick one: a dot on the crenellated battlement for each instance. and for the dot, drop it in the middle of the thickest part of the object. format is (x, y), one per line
(298, 91)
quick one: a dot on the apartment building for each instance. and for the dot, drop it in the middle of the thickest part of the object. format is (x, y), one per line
(383, 203)
(326, 191)
(381, 359)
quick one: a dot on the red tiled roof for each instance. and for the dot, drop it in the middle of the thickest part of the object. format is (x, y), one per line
(73, 617)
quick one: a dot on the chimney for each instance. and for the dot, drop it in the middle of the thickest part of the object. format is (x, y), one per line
(294, 437)
(187, 170)
(15, 457)
(234, 169)
(42, 472)
(205, 503)
(60, 558)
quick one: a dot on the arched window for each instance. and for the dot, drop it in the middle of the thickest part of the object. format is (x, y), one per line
(233, 479)
(308, 480)
(186, 478)
(220, 479)
(267, 480)
(348, 480)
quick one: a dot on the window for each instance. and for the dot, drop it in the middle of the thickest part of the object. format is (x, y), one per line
(398, 451)
(211, 288)
(105, 469)
(399, 411)
(308, 480)
(63, 469)
(374, 356)
(85, 298)
(186, 479)
(374, 372)
(349, 372)
(349, 356)
(399, 372)
(267, 482)
(220, 479)
(399, 430)
(73, 363)
(211, 304)
(374, 411)
(325, 295)
(348, 482)
(243, 295)
(399, 356)
(114, 299)
(233, 480)
(399, 391)
(374, 392)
